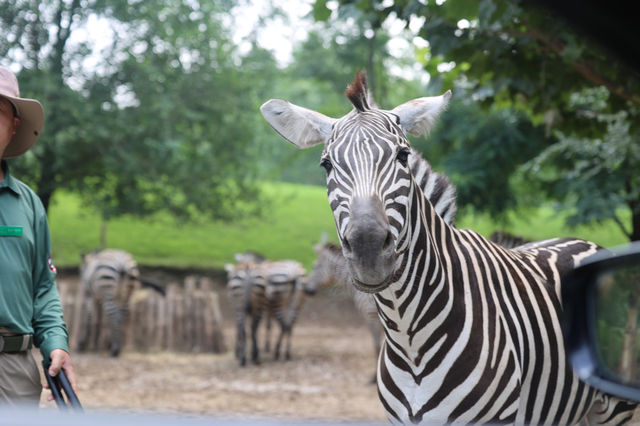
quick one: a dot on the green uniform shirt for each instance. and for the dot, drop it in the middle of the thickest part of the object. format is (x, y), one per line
(29, 300)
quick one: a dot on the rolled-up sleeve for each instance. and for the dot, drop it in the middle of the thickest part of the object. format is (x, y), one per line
(50, 331)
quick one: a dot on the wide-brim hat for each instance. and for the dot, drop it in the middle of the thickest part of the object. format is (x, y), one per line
(30, 112)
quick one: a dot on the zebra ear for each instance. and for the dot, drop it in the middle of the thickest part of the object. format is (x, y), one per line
(419, 115)
(302, 127)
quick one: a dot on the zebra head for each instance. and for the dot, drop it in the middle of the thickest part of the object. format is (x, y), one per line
(369, 182)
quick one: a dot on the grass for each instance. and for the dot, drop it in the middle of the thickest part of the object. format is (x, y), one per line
(546, 222)
(288, 230)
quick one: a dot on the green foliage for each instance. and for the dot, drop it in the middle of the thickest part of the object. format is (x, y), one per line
(597, 175)
(480, 152)
(164, 122)
(511, 54)
(324, 64)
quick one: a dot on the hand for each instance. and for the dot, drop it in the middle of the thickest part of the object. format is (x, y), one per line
(60, 359)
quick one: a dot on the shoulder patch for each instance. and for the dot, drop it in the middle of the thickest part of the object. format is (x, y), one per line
(51, 267)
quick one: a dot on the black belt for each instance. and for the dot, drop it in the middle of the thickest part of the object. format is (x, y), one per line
(19, 343)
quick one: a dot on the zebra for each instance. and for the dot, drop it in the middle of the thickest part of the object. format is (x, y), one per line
(108, 279)
(472, 330)
(274, 288)
(286, 288)
(248, 298)
(331, 266)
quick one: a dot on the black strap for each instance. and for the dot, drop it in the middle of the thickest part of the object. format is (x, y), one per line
(60, 384)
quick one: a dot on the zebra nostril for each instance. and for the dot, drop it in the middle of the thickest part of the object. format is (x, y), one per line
(388, 241)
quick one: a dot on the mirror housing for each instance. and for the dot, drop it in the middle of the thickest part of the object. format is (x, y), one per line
(582, 327)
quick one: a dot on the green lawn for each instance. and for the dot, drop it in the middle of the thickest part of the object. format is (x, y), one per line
(288, 230)
(545, 222)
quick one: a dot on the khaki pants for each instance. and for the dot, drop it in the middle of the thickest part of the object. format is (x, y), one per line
(19, 379)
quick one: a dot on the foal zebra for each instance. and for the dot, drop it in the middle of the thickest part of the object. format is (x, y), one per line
(472, 329)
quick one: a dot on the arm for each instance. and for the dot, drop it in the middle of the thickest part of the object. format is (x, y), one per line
(50, 331)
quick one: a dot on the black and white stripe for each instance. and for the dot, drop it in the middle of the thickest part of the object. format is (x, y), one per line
(257, 287)
(331, 267)
(472, 329)
(108, 279)
(248, 299)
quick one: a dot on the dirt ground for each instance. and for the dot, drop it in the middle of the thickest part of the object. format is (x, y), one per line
(327, 378)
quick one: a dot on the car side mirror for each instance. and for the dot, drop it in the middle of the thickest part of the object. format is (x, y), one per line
(601, 321)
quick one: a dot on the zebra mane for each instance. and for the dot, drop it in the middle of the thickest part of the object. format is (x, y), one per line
(358, 92)
(332, 247)
(436, 187)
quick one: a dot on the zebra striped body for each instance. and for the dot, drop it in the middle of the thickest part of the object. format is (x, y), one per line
(286, 282)
(272, 288)
(472, 329)
(248, 299)
(108, 278)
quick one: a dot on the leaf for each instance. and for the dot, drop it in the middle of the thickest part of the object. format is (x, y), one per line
(321, 12)
(461, 9)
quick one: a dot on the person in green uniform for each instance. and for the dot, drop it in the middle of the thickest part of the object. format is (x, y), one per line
(30, 308)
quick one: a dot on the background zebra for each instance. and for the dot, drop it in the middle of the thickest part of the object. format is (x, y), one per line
(472, 329)
(263, 287)
(248, 299)
(108, 279)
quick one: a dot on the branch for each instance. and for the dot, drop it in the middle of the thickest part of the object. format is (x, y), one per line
(64, 32)
(583, 68)
(618, 222)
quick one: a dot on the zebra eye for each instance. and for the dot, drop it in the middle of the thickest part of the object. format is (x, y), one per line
(326, 163)
(403, 156)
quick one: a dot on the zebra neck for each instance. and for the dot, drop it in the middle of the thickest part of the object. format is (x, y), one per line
(412, 308)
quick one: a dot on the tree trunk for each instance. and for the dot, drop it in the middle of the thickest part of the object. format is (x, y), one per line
(635, 220)
(103, 234)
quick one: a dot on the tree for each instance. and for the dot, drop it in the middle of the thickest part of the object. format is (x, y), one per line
(323, 65)
(511, 54)
(481, 152)
(36, 35)
(163, 122)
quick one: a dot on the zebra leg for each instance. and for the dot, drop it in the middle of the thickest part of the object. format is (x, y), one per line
(267, 344)
(287, 354)
(240, 339)
(96, 326)
(283, 332)
(114, 318)
(288, 330)
(255, 352)
(85, 325)
(113, 314)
